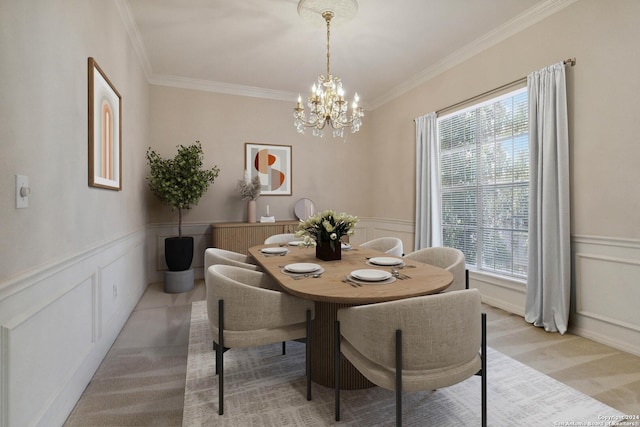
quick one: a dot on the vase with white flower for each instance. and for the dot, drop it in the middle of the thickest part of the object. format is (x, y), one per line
(326, 230)
(250, 189)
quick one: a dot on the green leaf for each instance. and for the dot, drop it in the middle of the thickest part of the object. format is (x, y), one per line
(180, 182)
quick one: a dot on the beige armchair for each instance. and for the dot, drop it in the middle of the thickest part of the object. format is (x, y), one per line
(281, 238)
(389, 245)
(422, 343)
(247, 309)
(450, 259)
(213, 256)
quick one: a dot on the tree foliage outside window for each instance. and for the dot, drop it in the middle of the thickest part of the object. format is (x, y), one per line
(484, 164)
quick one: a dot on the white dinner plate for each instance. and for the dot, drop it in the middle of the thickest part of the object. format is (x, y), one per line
(371, 275)
(302, 267)
(383, 260)
(274, 250)
(295, 242)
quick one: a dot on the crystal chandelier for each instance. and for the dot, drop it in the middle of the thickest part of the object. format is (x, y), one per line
(327, 103)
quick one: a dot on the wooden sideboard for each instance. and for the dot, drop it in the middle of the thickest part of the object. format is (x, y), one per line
(240, 236)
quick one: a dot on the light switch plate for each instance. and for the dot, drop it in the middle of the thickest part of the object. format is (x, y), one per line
(21, 181)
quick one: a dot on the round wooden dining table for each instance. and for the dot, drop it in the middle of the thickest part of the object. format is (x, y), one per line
(334, 288)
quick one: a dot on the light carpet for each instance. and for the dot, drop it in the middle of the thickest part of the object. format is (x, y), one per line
(265, 388)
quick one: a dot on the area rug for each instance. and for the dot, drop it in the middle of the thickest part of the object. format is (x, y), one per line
(265, 388)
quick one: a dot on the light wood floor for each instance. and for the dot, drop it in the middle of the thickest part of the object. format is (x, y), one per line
(141, 380)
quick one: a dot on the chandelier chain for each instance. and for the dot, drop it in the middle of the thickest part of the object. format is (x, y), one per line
(327, 16)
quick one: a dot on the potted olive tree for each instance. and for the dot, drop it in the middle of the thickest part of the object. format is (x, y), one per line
(180, 183)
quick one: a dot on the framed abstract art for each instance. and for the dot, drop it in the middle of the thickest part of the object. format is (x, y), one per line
(272, 163)
(105, 131)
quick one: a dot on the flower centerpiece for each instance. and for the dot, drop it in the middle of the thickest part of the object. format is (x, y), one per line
(250, 189)
(324, 230)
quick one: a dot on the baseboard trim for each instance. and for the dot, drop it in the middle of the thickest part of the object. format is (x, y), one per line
(623, 345)
(502, 305)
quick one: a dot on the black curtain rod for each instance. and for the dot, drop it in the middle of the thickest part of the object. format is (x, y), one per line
(571, 62)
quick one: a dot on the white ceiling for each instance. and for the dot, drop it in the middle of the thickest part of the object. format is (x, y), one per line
(263, 48)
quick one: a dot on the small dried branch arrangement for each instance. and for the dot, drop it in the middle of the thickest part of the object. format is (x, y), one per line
(249, 188)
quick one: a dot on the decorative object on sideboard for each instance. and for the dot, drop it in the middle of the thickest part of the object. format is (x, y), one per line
(179, 182)
(267, 217)
(327, 100)
(250, 189)
(326, 230)
(304, 208)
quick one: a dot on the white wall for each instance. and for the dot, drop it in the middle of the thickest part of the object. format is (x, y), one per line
(72, 265)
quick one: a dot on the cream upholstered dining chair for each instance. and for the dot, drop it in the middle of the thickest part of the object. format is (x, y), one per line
(389, 245)
(247, 309)
(451, 259)
(214, 256)
(281, 238)
(414, 344)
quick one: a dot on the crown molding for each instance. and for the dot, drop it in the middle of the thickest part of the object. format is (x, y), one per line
(132, 30)
(182, 82)
(497, 35)
(224, 88)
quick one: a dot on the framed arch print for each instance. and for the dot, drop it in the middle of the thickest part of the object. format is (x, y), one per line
(105, 131)
(272, 163)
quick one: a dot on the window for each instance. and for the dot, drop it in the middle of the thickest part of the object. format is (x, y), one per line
(484, 166)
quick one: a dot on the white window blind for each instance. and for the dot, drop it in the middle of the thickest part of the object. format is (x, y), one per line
(484, 164)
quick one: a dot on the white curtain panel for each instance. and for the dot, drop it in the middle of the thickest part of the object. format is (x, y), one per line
(549, 278)
(427, 182)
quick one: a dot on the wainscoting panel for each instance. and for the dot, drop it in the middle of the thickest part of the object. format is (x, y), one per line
(606, 291)
(601, 281)
(45, 347)
(58, 322)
